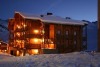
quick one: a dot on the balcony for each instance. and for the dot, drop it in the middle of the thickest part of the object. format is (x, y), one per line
(33, 36)
(33, 46)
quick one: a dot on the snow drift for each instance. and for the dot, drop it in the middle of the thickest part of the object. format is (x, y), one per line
(75, 59)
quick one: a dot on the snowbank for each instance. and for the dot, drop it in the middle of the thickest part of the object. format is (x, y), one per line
(75, 59)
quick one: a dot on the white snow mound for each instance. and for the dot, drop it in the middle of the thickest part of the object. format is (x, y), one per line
(75, 59)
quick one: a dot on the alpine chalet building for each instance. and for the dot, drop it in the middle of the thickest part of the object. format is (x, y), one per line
(44, 34)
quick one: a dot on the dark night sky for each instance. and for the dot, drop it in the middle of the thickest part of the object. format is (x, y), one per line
(76, 9)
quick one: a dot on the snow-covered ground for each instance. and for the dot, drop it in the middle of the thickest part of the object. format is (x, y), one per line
(75, 59)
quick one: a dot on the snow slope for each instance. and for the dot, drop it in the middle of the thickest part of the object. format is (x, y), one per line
(92, 37)
(4, 33)
(75, 59)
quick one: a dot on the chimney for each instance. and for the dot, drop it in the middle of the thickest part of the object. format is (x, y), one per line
(41, 15)
(68, 18)
(49, 13)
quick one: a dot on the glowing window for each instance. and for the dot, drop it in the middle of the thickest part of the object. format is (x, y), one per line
(36, 31)
(34, 51)
(18, 34)
(35, 41)
(19, 27)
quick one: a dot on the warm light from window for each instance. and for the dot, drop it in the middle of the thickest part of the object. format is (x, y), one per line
(0, 42)
(51, 46)
(35, 51)
(18, 41)
(23, 24)
(18, 26)
(43, 31)
(42, 40)
(18, 34)
(5, 50)
(52, 42)
(36, 31)
(35, 41)
(17, 52)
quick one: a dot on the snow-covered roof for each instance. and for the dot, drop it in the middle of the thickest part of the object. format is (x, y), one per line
(52, 19)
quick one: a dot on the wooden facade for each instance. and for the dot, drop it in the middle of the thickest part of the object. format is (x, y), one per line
(33, 36)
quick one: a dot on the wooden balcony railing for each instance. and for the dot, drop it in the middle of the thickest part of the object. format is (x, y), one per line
(33, 46)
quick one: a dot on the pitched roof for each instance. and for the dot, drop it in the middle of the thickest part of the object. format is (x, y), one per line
(52, 19)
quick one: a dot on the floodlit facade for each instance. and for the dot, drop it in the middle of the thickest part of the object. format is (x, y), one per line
(40, 34)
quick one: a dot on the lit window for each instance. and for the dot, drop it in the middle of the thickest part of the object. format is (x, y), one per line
(43, 31)
(19, 27)
(51, 46)
(17, 52)
(36, 31)
(35, 41)
(18, 34)
(35, 51)
(42, 40)
(23, 25)
(18, 41)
